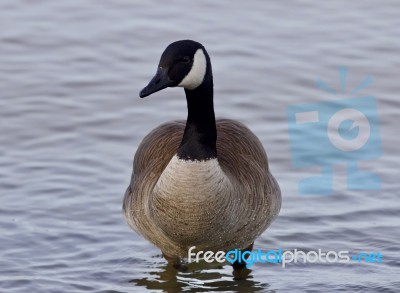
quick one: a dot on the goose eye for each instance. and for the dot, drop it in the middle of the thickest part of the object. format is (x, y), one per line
(185, 59)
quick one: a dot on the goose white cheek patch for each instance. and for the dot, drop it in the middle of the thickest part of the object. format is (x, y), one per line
(196, 75)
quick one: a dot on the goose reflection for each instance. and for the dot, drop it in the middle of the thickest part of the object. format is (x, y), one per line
(200, 277)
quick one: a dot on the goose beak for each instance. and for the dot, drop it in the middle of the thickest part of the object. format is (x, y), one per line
(159, 81)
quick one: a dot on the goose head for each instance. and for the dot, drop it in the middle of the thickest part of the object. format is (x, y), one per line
(184, 64)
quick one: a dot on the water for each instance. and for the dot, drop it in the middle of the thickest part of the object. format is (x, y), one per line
(71, 119)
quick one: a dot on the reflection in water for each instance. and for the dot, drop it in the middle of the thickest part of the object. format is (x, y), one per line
(200, 277)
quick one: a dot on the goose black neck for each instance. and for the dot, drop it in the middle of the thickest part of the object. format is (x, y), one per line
(200, 135)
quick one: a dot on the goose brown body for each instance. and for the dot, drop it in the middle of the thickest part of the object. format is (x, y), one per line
(229, 216)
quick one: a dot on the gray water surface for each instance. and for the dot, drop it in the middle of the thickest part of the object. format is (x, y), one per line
(71, 120)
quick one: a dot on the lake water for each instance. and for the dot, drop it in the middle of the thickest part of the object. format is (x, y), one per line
(71, 120)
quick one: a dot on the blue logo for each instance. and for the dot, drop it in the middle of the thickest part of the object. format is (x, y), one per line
(341, 131)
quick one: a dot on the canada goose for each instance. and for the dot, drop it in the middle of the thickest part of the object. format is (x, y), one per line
(203, 182)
